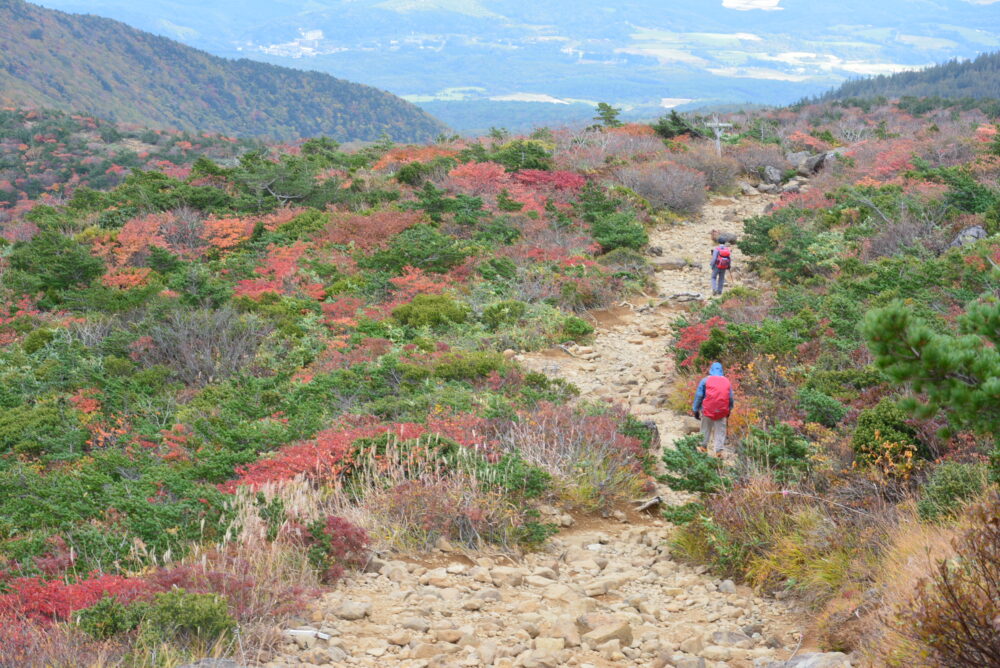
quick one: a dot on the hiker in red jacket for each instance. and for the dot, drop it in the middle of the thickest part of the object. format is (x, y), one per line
(712, 404)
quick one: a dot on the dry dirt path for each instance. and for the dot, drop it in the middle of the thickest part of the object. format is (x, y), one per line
(602, 593)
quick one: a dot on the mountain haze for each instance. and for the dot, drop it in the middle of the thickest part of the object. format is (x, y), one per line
(644, 55)
(104, 67)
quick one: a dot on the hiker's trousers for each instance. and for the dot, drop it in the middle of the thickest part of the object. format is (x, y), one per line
(718, 280)
(714, 433)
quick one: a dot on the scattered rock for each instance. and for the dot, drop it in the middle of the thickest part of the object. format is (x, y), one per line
(967, 236)
(689, 425)
(814, 660)
(418, 624)
(620, 631)
(353, 610)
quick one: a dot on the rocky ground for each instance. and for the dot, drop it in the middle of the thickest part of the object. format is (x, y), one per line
(604, 592)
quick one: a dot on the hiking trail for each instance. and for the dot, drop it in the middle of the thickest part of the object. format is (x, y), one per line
(603, 592)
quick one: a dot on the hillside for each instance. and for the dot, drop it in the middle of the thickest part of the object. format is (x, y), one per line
(466, 54)
(46, 155)
(978, 78)
(102, 67)
(227, 390)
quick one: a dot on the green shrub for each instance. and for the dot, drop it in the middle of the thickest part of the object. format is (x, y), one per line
(37, 339)
(619, 230)
(420, 246)
(948, 488)
(498, 231)
(109, 617)
(691, 469)
(538, 387)
(55, 261)
(178, 617)
(885, 423)
(780, 450)
(683, 514)
(431, 311)
(821, 408)
(523, 154)
(576, 328)
(515, 475)
(503, 313)
(625, 260)
(497, 269)
(468, 365)
(46, 429)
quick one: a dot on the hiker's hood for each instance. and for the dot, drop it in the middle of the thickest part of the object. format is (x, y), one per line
(715, 369)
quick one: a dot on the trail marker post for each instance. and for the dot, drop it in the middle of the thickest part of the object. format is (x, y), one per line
(716, 126)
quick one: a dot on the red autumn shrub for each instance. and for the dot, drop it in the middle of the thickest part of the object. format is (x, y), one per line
(55, 600)
(368, 232)
(689, 340)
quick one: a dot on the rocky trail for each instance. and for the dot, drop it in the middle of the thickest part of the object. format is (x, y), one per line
(602, 593)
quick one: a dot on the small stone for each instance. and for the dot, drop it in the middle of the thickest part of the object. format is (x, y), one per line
(504, 576)
(693, 645)
(727, 587)
(353, 610)
(487, 652)
(317, 655)
(621, 631)
(716, 653)
(550, 645)
(418, 624)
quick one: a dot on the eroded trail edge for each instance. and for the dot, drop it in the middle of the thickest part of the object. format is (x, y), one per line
(602, 592)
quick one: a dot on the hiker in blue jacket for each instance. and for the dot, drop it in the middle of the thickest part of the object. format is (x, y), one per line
(713, 402)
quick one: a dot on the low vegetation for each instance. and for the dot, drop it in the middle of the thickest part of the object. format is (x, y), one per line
(224, 384)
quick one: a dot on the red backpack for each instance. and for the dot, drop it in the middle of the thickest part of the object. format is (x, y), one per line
(716, 402)
(724, 261)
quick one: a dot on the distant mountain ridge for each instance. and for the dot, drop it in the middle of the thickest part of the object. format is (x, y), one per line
(978, 78)
(475, 61)
(103, 67)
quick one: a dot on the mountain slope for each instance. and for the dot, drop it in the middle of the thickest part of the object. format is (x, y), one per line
(640, 54)
(103, 67)
(978, 78)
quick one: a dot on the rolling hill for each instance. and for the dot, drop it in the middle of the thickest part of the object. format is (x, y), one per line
(103, 67)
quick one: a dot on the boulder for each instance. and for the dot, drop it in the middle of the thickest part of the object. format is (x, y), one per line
(771, 175)
(797, 157)
(746, 188)
(968, 236)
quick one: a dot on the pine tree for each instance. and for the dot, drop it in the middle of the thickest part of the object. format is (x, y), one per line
(608, 115)
(954, 373)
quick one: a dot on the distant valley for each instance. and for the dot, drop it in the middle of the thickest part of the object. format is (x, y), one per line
(474, 63)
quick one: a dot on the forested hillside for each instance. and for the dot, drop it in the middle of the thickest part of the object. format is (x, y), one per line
(977, 79)
(87, 64)
(46, 155)
(222, 387)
